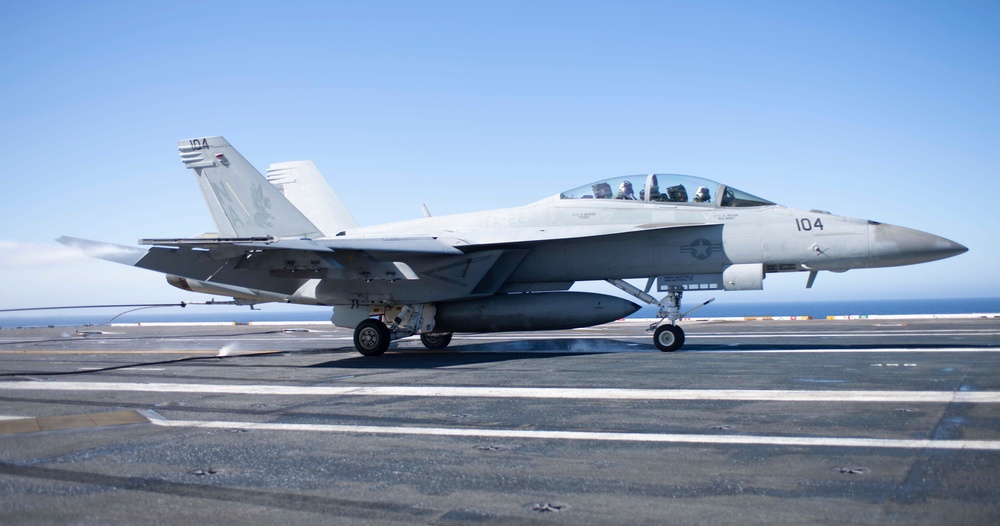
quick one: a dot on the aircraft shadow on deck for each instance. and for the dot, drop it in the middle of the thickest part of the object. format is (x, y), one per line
(537, 349)
(478, 353)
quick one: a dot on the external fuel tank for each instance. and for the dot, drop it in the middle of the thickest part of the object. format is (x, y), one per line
(541, 311)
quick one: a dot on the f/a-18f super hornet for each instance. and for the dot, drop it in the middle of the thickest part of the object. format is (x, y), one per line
(289, 238)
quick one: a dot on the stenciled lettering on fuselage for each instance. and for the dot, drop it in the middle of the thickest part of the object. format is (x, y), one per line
(701, 248)
(504, 220)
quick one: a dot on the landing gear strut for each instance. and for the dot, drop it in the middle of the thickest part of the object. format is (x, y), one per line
(669, 337)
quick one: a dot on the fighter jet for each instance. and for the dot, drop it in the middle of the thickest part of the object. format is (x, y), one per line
(289, 238)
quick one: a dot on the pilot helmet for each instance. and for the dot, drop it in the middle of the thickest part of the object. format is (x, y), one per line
(677, 193)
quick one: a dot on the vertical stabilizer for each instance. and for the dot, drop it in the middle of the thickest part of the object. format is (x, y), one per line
(241, 201)
(302, 184)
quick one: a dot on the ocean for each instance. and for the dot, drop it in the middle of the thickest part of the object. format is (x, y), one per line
(718, 309)
(822, 309)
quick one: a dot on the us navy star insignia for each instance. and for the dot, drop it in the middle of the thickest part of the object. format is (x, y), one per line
(701, 248)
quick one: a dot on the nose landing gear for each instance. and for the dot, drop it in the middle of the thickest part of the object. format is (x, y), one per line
(668, 337)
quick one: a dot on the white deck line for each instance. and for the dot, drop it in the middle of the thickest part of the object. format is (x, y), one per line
(887, 443)
(972, 397)
(831, 317)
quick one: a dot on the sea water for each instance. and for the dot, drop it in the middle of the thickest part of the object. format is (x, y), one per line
(822, 309)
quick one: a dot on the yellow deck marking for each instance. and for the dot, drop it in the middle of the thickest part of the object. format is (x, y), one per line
(57, 423)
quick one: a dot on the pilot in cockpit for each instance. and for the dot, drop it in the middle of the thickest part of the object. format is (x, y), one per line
(625, 191)
(701, 195)
(677, 194)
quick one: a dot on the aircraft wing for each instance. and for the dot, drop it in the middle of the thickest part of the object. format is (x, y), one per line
(106, 251)
(250, 261)
(208, 254)
(438, 268)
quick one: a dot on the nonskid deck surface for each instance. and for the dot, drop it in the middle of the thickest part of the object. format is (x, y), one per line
(889, 421)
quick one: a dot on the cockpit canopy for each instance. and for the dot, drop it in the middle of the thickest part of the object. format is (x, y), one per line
(666, 188)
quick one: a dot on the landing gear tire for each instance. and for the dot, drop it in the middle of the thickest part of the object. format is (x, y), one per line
(435, 340)
(668, 338)
(371, 337)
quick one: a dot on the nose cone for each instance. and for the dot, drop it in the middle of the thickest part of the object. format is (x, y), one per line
(893, 245)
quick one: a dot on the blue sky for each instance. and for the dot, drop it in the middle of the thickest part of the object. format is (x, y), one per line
(881, 110)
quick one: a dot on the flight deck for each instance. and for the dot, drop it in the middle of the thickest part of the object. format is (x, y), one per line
(861, 421)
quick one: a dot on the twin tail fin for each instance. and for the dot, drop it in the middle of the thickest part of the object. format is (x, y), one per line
(241, 200)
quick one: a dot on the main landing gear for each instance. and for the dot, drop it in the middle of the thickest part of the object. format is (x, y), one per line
(666, 337)
(435, 340)
(372, 336)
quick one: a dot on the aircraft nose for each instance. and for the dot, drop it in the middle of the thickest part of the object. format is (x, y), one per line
(893, 245)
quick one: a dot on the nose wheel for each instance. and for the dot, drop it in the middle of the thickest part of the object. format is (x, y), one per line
(668, 338)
